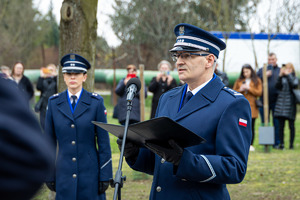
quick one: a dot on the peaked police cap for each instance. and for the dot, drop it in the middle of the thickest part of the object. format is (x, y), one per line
(74, 63)
(192, 38)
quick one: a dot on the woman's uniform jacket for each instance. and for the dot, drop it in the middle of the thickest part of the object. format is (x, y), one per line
(79, 165)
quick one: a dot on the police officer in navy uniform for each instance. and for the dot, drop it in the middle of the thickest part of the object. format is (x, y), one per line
(208, 108)
(84, 164)
(26, 155)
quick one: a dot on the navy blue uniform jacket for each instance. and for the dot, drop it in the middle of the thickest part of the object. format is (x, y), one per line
(80, 165)
(221, 116)
(25, 154)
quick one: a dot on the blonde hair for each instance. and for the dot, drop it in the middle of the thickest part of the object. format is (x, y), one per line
(291, 66)
(51, 65)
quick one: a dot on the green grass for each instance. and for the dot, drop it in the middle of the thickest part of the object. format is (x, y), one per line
(270, 176)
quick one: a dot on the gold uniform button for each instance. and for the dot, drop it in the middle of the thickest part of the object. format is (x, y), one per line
(72, 126)
(158, 188)
(73, 142)
(74, 159)
(162, 160)
(74, 175)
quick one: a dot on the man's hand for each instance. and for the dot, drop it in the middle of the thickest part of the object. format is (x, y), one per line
(131, 150)
(103, 185)
(172, 154)
(269, 73)
(51, 186)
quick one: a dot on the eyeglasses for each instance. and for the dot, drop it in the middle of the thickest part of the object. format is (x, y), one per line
(186, 56)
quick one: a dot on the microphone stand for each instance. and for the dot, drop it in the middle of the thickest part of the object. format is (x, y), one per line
(117, 183)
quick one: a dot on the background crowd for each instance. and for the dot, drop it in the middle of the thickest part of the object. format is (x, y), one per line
(281, 99)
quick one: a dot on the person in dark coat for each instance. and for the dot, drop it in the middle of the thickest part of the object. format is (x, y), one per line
(222, 75)
(23, 82)
(205, 106)
(47, 84)
(285, 108)
(272, 75)
(84, 164)
(161, 83)
(26, 154)
(120, 90)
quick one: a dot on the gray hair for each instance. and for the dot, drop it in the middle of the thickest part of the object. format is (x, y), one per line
(215, 63)
(3, 67)
(164, 62)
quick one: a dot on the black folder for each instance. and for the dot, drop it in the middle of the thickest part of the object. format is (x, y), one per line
(158, 131)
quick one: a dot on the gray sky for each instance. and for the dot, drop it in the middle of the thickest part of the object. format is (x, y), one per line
(104, 8)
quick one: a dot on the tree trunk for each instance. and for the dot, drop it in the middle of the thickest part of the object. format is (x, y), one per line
(78, 34)
(256, 67)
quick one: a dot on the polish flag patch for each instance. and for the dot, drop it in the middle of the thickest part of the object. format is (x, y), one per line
(243, 122)
(105, 112)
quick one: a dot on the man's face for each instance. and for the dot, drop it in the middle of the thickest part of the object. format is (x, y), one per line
(272, 60)
(191, 68)
(74, 81)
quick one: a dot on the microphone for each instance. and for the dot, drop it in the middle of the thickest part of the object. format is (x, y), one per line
(133, 86)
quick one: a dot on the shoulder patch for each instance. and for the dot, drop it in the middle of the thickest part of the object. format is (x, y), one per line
(232, 92)
(54, 96)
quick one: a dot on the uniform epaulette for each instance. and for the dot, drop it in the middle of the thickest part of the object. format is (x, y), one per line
(54, 96)
(175, 88)
(232, 92)
(95, 95)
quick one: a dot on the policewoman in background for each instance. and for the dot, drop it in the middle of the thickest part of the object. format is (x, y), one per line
(82, 170)
(249, 84)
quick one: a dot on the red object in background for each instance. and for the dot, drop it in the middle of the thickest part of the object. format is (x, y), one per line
(131, 76)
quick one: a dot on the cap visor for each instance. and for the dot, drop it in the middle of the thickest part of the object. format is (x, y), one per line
(184, 48)
(74, 71)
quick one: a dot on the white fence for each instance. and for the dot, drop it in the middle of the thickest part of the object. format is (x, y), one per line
(240, 50)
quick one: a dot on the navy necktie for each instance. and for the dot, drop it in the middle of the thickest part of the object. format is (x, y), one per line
(74, 97)
(187, 97)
